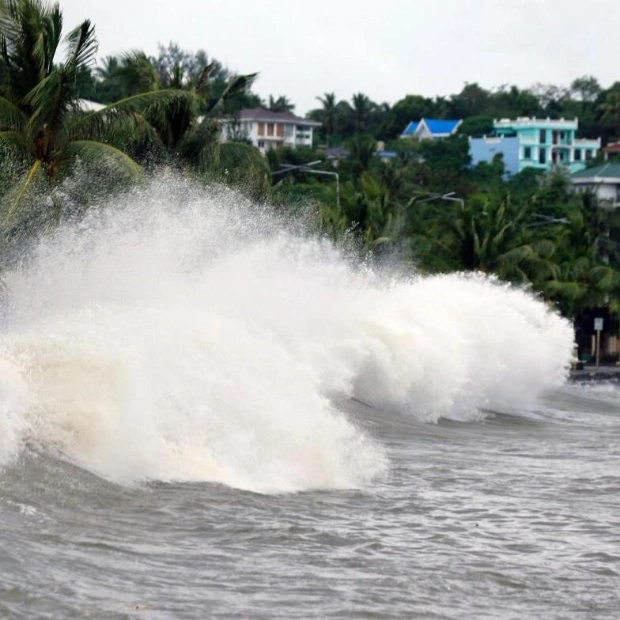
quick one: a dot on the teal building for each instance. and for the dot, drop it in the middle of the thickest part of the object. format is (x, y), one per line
(535, 143)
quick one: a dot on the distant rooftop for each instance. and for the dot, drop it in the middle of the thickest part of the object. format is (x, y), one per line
(410, 129)
(441, 126)
(526, 121)
(598, 173)
(434, 127)
(269, 116)
(337, 152)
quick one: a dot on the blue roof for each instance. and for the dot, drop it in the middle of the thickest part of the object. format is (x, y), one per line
(441, 126)
(411, 127)
(435, 126)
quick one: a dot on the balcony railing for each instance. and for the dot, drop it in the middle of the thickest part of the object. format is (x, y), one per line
(587, 143)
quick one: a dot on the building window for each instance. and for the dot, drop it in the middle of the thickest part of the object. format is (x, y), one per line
(280, 130)
(527, 152)
(618, 194)
(261, 129)
(542, 156)
(577, 156)
(543, 136)
(270, 129)
(588, 154)
(261, 144)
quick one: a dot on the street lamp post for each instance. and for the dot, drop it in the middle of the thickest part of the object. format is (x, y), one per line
(308, 169)
(546, 219)
(432, 196)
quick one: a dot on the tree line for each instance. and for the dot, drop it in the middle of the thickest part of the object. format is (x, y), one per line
(597, 108)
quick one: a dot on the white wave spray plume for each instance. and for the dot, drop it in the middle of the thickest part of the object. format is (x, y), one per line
(189, 335)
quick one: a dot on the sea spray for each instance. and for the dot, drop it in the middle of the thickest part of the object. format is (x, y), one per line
(180, 334)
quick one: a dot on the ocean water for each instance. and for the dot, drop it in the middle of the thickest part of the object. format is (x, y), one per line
(206, 413)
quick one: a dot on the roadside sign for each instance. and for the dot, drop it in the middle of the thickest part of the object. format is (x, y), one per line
(598, 325)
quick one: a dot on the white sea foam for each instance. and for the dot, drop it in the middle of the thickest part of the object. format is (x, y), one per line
(184, 335)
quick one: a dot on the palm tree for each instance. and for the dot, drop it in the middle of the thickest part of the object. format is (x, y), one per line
(491, 234)
(107, 86)
(328, 115)
(208, 92)
(610, 111)
(135, 74)
(191, 120)
(362, 110)
(186, 129)
(281, 104)
(35, 95)
(40, 120)
(582, 282)
(587, 258)
(362, 148)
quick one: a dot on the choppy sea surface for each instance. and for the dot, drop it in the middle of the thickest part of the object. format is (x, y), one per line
(207, 414)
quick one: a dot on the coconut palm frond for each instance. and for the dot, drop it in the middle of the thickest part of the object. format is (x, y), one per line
(569, 290)
(240, 158)
(579, 266)
(134, 109)
(83, 46)
(11, 117)
(238, 85)
(50, 101)
(198, 145)
(553, 268)
(238, 163)
(137, 73)
(16, 198)
(8, 23)
(605, 277)
(614, 306)
(116, 129)
(544, 247)
(31, 35)
(49, 37)
(104, 154)
(517, 255)
(172, 122)
(15, 142)
(202, 80)
(145, 102)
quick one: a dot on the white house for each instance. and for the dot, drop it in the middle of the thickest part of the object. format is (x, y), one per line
(267, 129)
(85, 105)
(603, 180)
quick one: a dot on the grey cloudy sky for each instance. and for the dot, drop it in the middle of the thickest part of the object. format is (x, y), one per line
(383, 48)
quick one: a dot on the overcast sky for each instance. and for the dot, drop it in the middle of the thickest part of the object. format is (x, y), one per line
(383, 48)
